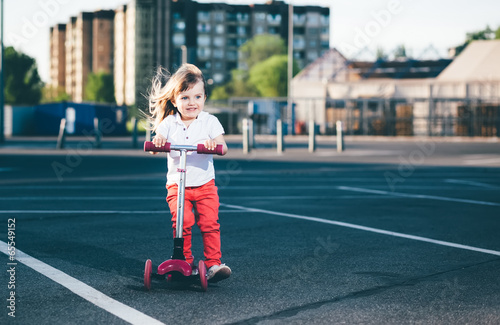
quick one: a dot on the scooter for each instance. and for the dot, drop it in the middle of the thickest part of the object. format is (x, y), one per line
(176, 268)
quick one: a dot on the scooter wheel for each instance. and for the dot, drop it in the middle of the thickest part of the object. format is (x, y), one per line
(148, 269)
(202, 269)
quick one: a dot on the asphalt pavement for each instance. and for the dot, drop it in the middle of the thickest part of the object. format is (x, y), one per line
(390, 231)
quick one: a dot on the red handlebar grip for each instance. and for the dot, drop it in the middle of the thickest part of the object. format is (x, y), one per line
(218, 149)
(149, 146)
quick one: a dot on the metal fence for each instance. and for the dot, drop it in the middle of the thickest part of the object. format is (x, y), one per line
(366, 116)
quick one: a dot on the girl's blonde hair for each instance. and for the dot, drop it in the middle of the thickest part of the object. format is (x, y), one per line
(161, 97)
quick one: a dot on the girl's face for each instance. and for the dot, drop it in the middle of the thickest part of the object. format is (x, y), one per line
(190, 102)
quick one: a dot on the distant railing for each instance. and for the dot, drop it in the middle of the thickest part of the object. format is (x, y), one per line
(367, 116)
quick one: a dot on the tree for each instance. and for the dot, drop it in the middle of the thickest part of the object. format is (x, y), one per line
(100, 88)
(253, 52)
(270, 77)
(497, 33)
(51, 94)
(485, 34)
(260, 48)
(400, 52)
(22, 81)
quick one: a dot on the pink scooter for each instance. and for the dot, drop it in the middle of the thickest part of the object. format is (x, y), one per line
(176, 268)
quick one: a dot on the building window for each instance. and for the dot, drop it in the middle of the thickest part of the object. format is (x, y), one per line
(299, 19)
(325, 20)
(203, 52)
(219, 16)
(274, 19)
(312, 32)
(179, 26)
(240, 41)
(219, 29)
(218, 53)
(219, 41)
(299, 43)
(218, 77)
(241, 30)
(232, 55)
(313, 19)
(203, 15)
(260, 16)
(179, 39)
(260, 30)
(242, 17)
(203, 40)
(311, 56)
(203, 27)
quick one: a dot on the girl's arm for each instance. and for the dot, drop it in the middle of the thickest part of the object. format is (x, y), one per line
(212, 143)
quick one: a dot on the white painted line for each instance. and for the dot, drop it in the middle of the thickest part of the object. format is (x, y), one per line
(77, 212)
(461, 181)
(482, 161)
(162, 198)
(80, 198)
(83, 290)
(375, 230)
(416, 196)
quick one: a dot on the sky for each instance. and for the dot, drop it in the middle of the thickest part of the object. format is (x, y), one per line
(424, 27)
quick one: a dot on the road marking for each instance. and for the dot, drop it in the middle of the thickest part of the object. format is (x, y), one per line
(370, 229)
(83, 290)
(81, 198)
(162, 198)
(482, 161)
(460, 181)
(416, 196)
(76, 211)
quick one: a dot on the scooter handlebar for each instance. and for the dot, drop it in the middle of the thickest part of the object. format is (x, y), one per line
(217, 151)
(149, 146)
(167, 147)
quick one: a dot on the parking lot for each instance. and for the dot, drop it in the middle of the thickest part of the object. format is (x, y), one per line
(387, 232)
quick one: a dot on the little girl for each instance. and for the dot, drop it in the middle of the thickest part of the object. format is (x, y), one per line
(177, 109)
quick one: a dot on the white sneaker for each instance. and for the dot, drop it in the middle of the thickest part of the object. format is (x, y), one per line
(217, 273)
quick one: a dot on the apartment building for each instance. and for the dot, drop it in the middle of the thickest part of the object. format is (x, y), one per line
(57, 56)
(134, 50)
(152, 33)
(87, 46)
(136, 38)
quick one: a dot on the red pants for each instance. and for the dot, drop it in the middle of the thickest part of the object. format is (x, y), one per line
(205, 201)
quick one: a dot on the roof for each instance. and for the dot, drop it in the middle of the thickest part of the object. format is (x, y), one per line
(478, 62)
(399, 69)
(333, 66)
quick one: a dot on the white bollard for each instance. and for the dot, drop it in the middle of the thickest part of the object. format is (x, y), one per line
(246, 136)
(280, 145)
(312, 136)
(61, 138)
(340, 137)
(97, 129)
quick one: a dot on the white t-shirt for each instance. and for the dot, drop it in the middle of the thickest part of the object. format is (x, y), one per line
(199, 167)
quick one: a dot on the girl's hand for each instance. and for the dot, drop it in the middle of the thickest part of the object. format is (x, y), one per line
(210, 144)
(158, 141)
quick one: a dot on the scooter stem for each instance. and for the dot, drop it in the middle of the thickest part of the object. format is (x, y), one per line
(180, 195)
